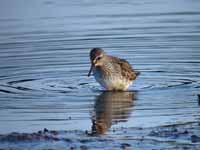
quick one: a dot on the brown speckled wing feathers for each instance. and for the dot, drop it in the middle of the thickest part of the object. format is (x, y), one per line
(126, 69)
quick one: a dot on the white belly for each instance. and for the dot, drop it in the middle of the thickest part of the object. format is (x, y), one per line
(114, 83)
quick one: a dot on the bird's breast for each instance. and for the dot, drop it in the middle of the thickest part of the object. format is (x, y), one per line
(111, 80)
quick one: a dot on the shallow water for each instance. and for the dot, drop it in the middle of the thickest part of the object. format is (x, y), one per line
(44, 47)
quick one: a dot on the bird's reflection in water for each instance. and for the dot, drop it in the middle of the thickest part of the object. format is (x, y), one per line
(111, 108)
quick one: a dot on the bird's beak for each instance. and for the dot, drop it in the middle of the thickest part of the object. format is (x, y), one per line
(91, 68)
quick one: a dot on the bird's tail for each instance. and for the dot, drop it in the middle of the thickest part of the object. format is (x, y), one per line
(137, 73)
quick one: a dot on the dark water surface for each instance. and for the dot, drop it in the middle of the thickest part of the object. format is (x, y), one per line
(44, 47)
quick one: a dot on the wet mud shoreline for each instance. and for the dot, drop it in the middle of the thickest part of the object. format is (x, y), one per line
(183, 136)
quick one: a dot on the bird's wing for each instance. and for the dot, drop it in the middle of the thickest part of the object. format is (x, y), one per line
(126, 69)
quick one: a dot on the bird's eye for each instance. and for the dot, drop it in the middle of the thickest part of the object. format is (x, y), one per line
(98, 58)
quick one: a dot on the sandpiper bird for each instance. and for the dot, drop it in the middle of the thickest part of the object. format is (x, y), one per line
(113, 73)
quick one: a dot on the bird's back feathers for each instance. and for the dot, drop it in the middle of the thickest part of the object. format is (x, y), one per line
(126, 69)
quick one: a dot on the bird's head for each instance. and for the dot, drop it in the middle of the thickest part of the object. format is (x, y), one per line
(97, 56)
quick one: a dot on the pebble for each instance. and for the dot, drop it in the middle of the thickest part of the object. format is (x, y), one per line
(195, 138)
(124, 146)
